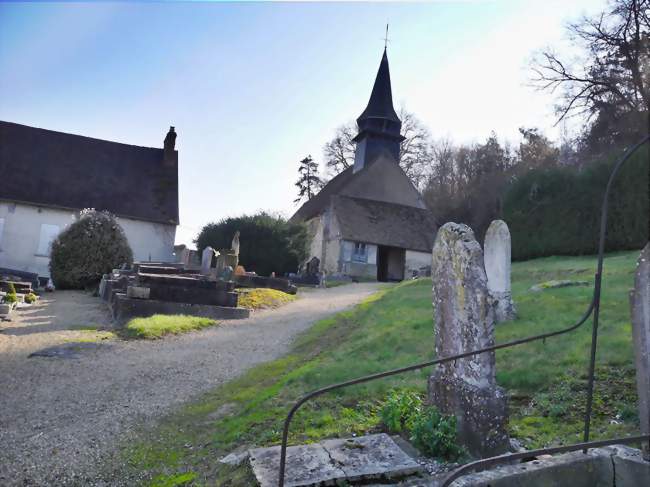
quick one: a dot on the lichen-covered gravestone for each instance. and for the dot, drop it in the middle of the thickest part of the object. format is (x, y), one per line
(640, 305)
(464, 321)
(497, 267)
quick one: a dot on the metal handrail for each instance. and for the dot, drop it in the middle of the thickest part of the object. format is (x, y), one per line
(594, 307)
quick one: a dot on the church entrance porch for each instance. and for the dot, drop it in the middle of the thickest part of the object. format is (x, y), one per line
(390, 263)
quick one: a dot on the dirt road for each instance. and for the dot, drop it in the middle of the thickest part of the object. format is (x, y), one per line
(60, 419)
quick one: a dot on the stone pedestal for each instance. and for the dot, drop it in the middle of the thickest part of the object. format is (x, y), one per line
(497, 268)
(464, 321)
(640, 306)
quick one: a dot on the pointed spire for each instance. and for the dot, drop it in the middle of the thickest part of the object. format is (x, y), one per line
(381, 99)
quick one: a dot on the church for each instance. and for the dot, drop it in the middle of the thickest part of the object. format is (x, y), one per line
(370, 222)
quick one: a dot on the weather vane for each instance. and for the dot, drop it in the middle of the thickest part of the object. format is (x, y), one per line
(386, 39)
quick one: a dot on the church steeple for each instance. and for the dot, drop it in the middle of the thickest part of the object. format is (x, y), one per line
(379, 125)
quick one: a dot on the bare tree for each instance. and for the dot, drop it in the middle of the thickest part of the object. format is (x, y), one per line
(615, 70)
(415, 149)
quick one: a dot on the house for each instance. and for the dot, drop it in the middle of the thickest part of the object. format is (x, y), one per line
(370, 221)
(47, 177)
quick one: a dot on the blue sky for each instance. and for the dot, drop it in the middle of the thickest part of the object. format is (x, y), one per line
(254, 87)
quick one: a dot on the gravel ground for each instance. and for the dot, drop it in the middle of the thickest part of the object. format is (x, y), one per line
(61, 419)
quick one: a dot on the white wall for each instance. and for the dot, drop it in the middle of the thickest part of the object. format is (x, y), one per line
(23, 228)
(415, 261)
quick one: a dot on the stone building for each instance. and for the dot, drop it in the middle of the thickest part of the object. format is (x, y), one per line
(370, 221)
(47, 177)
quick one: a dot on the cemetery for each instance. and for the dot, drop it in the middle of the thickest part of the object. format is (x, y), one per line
(431, 311)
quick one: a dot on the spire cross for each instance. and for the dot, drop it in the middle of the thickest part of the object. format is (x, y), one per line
(386, 39)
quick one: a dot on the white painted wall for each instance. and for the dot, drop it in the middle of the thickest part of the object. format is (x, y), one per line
(26, 230)
(415, 261)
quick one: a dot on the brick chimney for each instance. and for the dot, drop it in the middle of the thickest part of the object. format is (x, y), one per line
(170, 155)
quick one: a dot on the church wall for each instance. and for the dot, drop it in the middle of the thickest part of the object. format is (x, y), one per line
(315, 232)
(419, 262)
(26, 232)
(367, 270)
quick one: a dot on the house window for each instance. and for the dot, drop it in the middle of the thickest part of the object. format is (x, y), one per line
(48, 234)
(360, 253)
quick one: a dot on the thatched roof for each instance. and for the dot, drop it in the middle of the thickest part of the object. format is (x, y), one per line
(384, 223)
(55, 169)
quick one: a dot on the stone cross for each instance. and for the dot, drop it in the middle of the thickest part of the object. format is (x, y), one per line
(206, 260)
(464, 321)
(640, 306)
(497, 267)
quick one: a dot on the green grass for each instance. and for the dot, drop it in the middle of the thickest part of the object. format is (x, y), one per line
(157, 326)
(546, 381)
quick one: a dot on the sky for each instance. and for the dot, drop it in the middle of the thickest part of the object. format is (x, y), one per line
(252, 88)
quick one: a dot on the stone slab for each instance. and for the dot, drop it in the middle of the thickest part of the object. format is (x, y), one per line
(183, 280)
(124, 308)
(152, 269)
(575, 469)
(20, 287)
(630, 469)
(72, 350)
(268, 282)
(332, 461)
(138, 292)
(192, 295)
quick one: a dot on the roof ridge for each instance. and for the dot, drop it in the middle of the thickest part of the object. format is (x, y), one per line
(78, 135)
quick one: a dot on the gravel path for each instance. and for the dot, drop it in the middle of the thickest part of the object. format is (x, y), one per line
(60, 419)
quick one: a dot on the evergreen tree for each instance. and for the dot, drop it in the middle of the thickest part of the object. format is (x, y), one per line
(308, 182)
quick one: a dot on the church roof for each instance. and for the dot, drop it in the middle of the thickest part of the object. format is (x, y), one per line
(55, 169)
(381, 98)
(384, 223)
(321, 200)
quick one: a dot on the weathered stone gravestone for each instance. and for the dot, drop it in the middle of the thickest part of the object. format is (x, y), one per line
(640, 305)
(497, 267)
(464, 321)
(206, 260)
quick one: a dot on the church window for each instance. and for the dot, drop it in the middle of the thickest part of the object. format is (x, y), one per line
(360, 253)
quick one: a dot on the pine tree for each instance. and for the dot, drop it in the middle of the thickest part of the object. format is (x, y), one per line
(308, 182)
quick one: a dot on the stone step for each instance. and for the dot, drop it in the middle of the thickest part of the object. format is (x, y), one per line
(372, 457)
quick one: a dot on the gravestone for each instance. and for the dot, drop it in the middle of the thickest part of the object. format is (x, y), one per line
(234, 246)
(206, 260)
(640, 306)
(497, 267)
(464, 321)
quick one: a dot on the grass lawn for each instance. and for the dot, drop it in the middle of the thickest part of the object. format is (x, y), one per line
(263, 298)
(157, 326)
(546, 381)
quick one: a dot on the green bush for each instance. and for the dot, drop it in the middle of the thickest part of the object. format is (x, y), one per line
(90, 247)
(11, 296)
(267, 244)
(30, 298)
(432, 433)
(557, 211)
(400, 408)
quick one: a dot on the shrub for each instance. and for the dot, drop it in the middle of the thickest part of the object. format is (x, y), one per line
(557, 211)
(268, 243)
(431, 432)
(90, 247)
(30, 298)
(11, 296)
(434, 434)
(399, 408)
